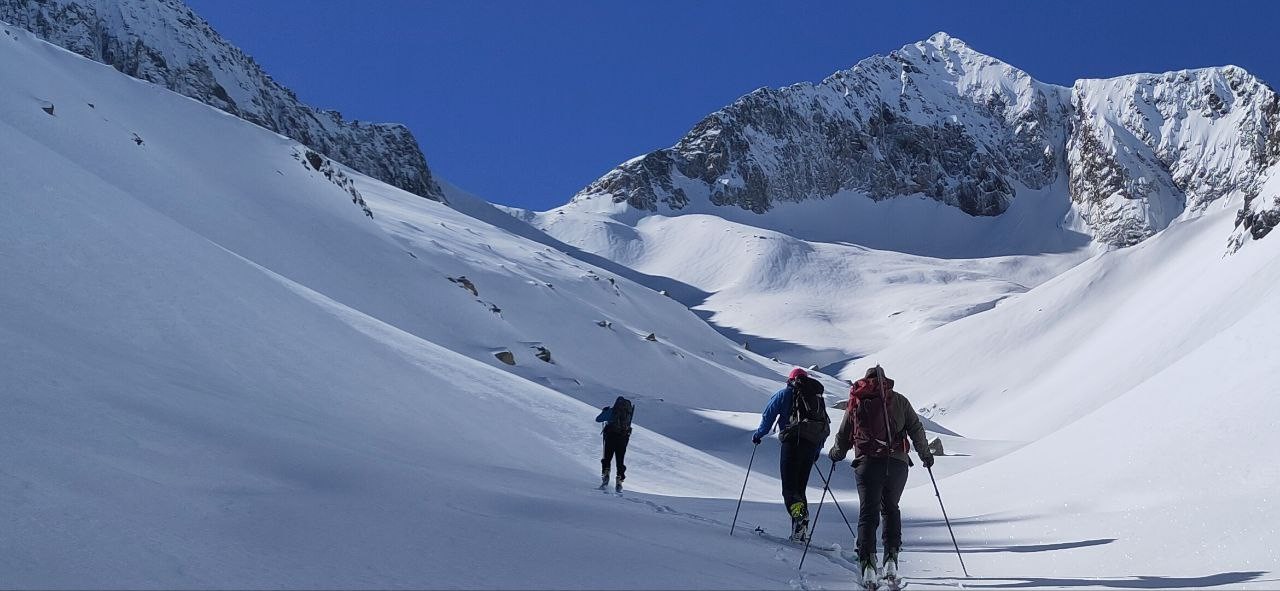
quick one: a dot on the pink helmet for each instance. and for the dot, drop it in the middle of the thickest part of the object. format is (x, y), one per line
(797, 373)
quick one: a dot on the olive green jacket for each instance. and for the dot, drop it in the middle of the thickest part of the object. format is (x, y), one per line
(904, 422)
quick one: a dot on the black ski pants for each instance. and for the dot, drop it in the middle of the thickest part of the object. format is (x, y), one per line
(615, 444)
(795, 462)
(880, 485)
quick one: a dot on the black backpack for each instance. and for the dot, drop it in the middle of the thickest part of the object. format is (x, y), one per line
(809, 420)
(620, 420)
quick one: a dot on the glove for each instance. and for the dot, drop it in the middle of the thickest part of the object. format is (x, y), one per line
(836, 454)
(927, 461)
(755, 440)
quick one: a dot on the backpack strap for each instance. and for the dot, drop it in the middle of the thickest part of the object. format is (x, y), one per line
(797, 393)
(888, 422)
(853, 416)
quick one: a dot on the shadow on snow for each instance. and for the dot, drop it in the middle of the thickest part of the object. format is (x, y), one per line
(1135, 582)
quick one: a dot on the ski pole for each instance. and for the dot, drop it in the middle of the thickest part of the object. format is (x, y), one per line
(825, 489)
(944, 518)
(744, 487)
(833, 500)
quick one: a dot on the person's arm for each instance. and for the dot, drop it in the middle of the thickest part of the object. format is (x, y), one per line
(605, 415)
(915, 429)
(770, 415)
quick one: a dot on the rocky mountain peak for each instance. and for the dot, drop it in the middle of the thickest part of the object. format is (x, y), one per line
(942, 120)
(934, 118)
(1148, 147)
(166, 43)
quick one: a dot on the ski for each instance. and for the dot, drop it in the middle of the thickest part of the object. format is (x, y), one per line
(891, 584)
(890, 578)
(872, 584)
(790, 542)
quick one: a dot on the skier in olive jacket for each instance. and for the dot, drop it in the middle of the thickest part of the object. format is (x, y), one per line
(877, 424)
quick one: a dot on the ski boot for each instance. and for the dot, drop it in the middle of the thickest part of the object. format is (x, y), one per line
(889, 571)
(604, 478)
(800, 531)
(868, 576)
(799, 522)
(617, 484)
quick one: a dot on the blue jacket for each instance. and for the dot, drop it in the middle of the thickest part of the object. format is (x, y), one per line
(605, 415)
(778, 409)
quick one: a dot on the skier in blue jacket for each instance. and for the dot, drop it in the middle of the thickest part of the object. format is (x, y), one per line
(798, 453)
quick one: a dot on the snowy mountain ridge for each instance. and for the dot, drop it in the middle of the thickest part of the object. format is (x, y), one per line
(1147, 147)
(165, 42)
(884, 127)
(941, 120)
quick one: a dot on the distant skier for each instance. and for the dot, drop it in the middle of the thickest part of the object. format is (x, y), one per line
(877, 424)
(617, 433)
(803, 425)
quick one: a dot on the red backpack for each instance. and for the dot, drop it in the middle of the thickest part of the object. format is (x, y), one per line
(869, 401)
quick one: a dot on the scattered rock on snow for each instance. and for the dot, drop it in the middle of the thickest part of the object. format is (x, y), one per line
(543, 353)
(47, 108)
(651, 337)
(336, 176)
(466, 284)
(506, 357)
(315, 159)
(604, 324)
(935, 447)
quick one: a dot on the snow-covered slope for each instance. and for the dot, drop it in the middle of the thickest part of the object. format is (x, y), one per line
(165, 42)
(220, 372)
(1142, 384)
(809, 302)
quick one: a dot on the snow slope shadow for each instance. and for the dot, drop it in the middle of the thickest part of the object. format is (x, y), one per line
(1134, 582)
(1014, 548)
(828, 360)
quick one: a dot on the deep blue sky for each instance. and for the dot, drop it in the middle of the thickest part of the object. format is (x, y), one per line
(524, 103)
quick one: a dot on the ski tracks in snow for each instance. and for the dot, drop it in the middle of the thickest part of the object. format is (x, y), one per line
(833, 554)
